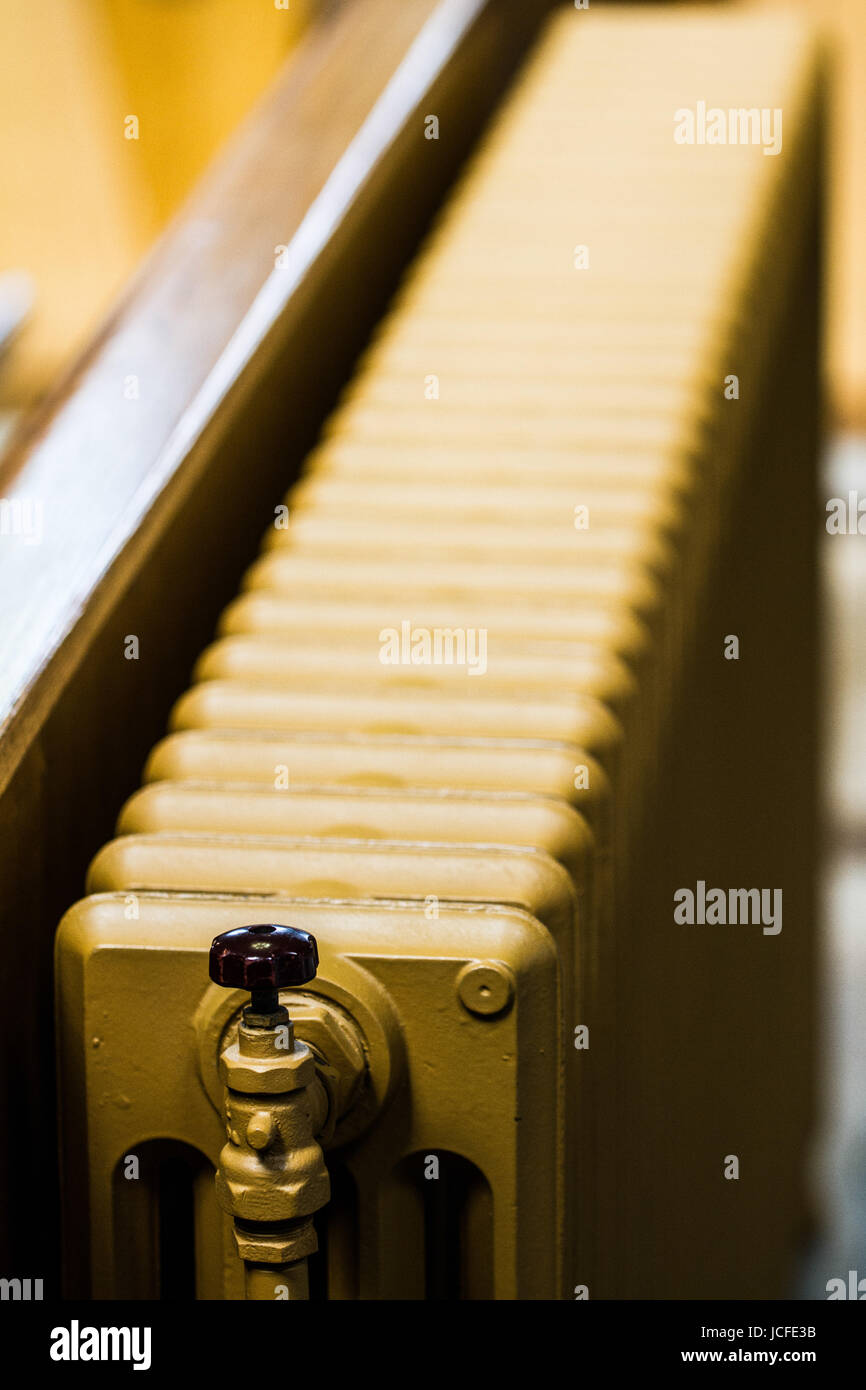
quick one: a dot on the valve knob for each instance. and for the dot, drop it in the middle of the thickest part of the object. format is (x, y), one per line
(264, 960)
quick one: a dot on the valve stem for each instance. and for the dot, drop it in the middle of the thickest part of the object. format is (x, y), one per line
(271, 1176)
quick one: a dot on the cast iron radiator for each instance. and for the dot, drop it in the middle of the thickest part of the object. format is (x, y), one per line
(513, 717)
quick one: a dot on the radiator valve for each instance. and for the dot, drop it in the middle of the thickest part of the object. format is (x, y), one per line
(272, 1175)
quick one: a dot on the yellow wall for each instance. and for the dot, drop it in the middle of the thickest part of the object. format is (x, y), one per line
(190, 69)
(844, 23)
(79, 202)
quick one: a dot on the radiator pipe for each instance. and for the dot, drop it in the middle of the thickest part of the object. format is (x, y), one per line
(271, 1176)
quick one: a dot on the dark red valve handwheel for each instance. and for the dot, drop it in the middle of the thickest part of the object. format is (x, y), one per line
(264, 960)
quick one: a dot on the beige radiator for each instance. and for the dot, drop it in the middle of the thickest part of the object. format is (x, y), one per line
(527, 654)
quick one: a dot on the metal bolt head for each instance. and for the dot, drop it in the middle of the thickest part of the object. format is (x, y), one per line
(263, 958)
(261, 1130)
(485, 987)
